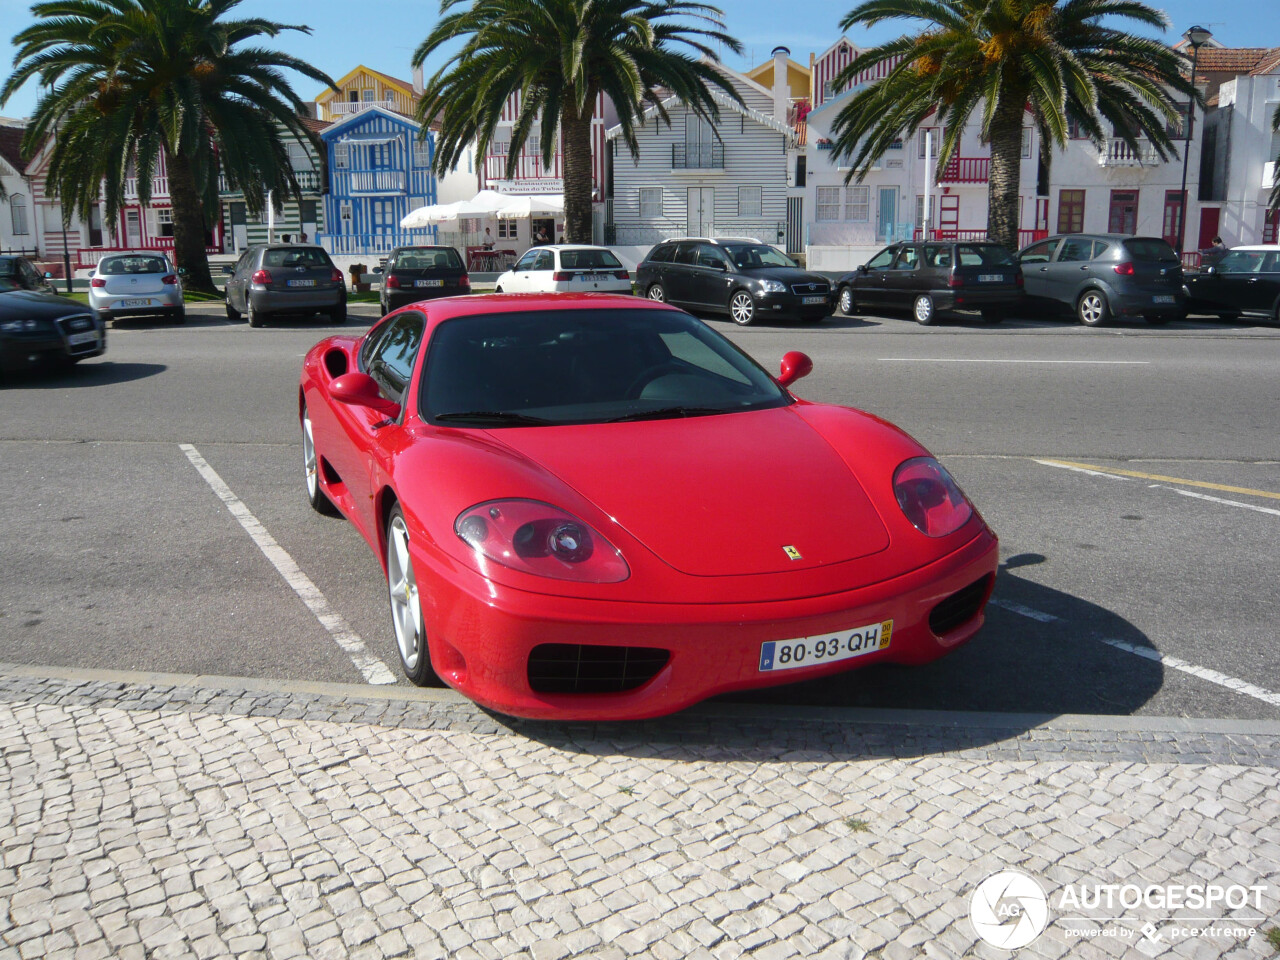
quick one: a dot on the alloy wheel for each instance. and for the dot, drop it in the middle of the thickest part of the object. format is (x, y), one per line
(742, 308)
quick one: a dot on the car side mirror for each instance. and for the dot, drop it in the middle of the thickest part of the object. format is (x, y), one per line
(48, 275)
(795, 365)
(1211, 271)
(377, 269)
(182, 271)
(228, 268)
(862, 268)
(360, 390)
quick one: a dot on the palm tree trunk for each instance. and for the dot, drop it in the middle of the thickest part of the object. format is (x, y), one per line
(1003, 183)
(188, 225)
(576, 141)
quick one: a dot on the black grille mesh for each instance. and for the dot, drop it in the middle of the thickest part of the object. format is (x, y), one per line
(581, 668)
(959, 608)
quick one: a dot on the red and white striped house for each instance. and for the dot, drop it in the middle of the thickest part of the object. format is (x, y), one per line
(531, 176)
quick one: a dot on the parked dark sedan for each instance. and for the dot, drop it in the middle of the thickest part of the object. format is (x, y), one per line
(743, 278)
(22, 274)
(42, 326)
(1245, 281)
(929, 277)
(1098, 276)
(421, 273)
(274, 279)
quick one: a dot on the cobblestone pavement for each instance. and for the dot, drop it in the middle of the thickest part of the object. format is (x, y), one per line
(147, 820)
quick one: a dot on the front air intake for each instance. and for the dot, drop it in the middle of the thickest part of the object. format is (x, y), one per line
(959, 608)
(585, 668)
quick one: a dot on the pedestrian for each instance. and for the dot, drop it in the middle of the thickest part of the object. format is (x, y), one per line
(542, 237)
(1215, 253)
(487, 241)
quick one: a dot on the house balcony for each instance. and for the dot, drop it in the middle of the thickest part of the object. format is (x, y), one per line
(308, 181)
(1116, 153)
(159, 188)
(966, 170)
(366, 182)
(341, 109)
(697, 156)
(528, 167)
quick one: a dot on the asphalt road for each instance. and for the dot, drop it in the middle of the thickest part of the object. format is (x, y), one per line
(1132, 473)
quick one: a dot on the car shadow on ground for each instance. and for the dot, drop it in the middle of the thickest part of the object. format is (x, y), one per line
(84, 374)
(1018, 672)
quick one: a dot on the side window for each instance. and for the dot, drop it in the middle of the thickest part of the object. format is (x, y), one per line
(660, 254)
(709, 256)
(391, 359)
(243, 264)
(526, 262)
(1037, 253)
(1099, 248)
(908, 258)
(545, 260)
(687, 253)
(937, 256)
(1272, 263)
(1075, 249)
(31, 279)
(881, 260)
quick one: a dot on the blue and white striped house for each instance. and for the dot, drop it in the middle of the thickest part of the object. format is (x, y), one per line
(378, 171)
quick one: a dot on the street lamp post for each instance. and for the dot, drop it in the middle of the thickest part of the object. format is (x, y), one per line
(1197, 36)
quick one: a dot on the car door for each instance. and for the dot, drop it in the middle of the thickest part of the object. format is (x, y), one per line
(680, 272)
(239, 281)
(1070, 271)
(1035, 261)
(869, 283)
(903, 281)
(519, 280)
(710, 277)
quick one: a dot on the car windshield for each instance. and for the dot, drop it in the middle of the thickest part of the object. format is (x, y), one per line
(427, 258)
(1149, 249)
(586, 366)
(119, 266)
(295, 257)
(749, 256)
(588, 260)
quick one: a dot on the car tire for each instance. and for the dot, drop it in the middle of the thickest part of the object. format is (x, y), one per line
(1157, 319)
(406, 609)
(338, 314)
(311, 470)
(253, 315)
(232, 313)
(656, 292)
(742, 308)
(1092, 308)
(848, 305)
(180, 315)
(922, 310)
(993, 315)
(497, 289)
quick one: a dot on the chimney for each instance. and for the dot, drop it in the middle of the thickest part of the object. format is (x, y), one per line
(417, 81)
(781, 89)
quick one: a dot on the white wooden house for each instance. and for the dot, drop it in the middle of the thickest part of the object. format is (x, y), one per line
(17, 233)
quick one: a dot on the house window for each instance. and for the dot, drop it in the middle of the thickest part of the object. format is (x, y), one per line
(342, 155)
(164, 222)
(1074, 130)
(650, 202)
(507, 229)
(828, 205)
(18, 211)
(857, 203)
(935, 135)
(500, 146)
(1026, 142)
(1172, 217)
(344, 215)
(298, 158)
(421, 153)
(749, 200)
(1123, 216)
(1177, 127)
(369, 94)
(1070, 211)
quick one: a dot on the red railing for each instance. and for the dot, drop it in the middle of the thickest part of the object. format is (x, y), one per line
(1191, 259)
(1025, 237)
(87, 257)
(966, 170)
(527, 168)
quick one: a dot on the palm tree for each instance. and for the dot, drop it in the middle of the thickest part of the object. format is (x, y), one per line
(1003, 58)
(130, 81)
(558, 56)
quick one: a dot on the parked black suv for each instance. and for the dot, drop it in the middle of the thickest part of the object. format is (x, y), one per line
(1098, 276)
(935, 275)
(744, 278)
(421, 273)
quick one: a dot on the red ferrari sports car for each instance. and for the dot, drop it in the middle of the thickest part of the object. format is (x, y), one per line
(596, 507)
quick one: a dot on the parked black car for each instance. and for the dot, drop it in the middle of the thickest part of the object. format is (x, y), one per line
(1098, 276)
(421, 273)
(279, 278)
(932, 276)
(741, 277)
(42, 326)
(22, 274)
(1245, 281)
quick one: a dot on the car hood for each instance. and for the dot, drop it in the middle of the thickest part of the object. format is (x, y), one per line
(787, 275)
(29, 305)
(722, 495)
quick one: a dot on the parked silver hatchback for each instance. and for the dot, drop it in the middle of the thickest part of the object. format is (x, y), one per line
(279, 278)
(142, 284)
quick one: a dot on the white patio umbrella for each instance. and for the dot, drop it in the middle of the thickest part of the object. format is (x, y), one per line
(542, 205)
(432, 214)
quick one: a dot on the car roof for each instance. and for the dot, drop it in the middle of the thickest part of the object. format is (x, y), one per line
(1257, 247)
(569, 246)
(718, 240)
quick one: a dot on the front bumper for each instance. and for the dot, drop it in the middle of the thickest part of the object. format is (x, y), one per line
(18, 351)
(481, 635)
(790, 306)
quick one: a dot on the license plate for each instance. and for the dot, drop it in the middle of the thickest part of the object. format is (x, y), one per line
(78, 338)
(428, 283)
(595, 277)
(815, 300)
(1162, 298)
(300, 283)
(824, 647)
(137, 302)
(990, 277)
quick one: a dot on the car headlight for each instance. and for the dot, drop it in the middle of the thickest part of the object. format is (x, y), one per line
(773, 286)
(928, 496)
(537, 538)
(19, 326)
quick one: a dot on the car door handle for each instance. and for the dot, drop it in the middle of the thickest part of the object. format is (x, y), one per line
(1084, 266)
(1253, 279)
(1044, 269)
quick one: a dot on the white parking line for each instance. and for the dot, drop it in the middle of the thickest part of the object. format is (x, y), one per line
(370, 667)
(1204, 673)
(1111, 363)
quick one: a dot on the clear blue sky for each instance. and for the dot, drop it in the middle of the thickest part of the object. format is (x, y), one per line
(382, 34)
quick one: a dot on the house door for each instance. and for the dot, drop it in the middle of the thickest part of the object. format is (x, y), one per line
(795, 224)
(95, 226)
(887, 214)
(1208, 226)
(308, 221)
(948, 216)
(239, 227)
(702, 211)
(1124, 212)
(1173, 214)
(132, 228)
(1042, 214)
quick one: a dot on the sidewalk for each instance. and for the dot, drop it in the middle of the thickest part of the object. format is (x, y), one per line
(146, 816)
